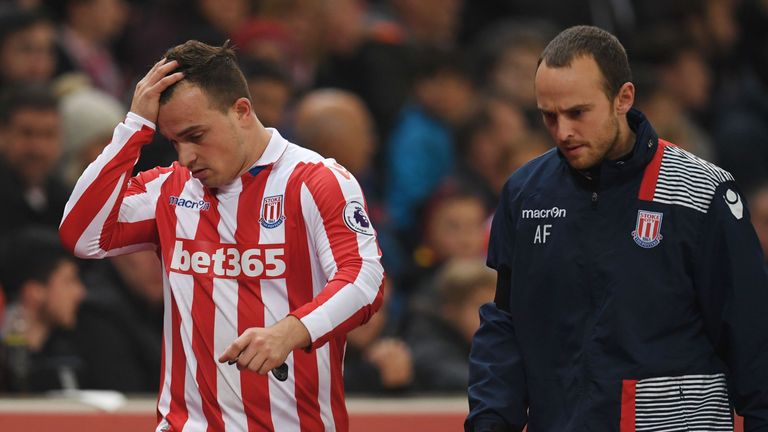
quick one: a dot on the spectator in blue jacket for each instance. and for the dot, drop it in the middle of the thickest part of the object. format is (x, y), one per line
(631, 290)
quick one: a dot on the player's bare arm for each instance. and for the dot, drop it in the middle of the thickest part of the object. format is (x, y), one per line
(263, 349)
(146, 97)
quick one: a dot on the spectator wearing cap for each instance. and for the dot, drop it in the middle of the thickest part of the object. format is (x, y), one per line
(89, 117)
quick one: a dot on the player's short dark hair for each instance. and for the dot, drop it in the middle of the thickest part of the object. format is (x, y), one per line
(30, 254)
(580, 41)
(16, 98)
(213, 69)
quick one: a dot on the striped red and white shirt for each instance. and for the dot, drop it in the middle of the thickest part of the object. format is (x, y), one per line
(290, 236)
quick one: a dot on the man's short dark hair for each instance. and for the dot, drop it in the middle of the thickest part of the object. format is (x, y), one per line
(580, 41)
(31, 254)
(16, 98)
(14, 19)
(213, 69)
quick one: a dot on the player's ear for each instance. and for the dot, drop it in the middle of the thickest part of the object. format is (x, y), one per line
(242, 108)
(625, 98)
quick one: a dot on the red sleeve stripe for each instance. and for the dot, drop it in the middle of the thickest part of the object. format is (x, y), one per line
(651, 174)
(352, 290)
(83, 208)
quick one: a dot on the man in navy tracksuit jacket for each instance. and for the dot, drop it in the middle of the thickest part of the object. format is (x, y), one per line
(631, 294)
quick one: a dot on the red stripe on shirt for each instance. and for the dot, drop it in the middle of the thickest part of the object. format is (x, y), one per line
(250, 307)
(651, 174)
(177, 414)
(300, 292)
(338, 405)
(628, 390)
(203, 317)
(177, 410)
(162, 376)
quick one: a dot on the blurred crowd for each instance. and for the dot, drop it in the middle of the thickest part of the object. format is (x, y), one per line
(429, 103)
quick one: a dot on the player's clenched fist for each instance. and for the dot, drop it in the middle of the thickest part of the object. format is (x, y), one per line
(146, 97)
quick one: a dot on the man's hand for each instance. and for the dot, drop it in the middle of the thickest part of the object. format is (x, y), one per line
(393, 359)
(263, 349)
(146, 97)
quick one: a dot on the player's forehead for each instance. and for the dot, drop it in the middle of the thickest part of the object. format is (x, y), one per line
(188, 106)
(558, 88)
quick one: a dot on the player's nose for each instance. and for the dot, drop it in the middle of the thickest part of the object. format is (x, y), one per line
(186, 154)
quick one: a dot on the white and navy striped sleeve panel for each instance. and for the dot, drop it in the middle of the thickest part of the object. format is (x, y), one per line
(687, 180)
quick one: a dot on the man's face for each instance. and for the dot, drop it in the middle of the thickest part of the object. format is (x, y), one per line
(270, 98)
(457, 228)
(582, 120)
(32, 143)
(27, 56)
(208, 142)
(65, 293)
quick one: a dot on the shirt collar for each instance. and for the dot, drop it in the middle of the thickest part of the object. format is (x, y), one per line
(273, 151)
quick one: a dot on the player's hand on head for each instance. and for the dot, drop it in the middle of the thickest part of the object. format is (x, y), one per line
(146, 97)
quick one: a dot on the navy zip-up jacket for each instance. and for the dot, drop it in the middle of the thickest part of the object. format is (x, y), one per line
(630, 299)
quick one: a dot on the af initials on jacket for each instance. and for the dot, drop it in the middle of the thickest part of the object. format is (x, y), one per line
(290, 236)
(630, 298)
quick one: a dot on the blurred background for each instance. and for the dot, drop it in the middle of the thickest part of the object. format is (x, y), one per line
(429, 103)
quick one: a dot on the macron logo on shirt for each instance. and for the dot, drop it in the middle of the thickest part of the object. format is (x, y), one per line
(190, 204)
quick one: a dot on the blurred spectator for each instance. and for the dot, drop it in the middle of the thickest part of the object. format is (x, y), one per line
(298, 27)
(124, 312)
(336, 124)
(439, 334)
(88, 29)
(505, 56)
(758, 208)
(377, 362)
(268, 40)
(617, 16)
(30, 148)
(741, 112)
(26, 46)
(162, 23)
(432, 23)
(372, 59)
(271, 89)
(44, 292)
(490, 144)
(89, 116)
(421, 150)
(455, 226)
(675, 84)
